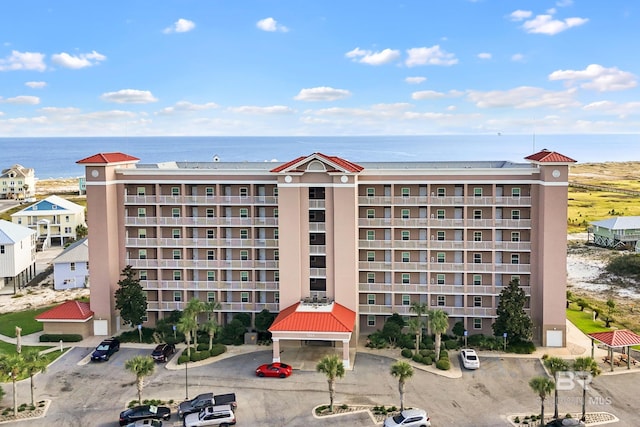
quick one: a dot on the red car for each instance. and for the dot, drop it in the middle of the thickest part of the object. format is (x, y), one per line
(276, 369)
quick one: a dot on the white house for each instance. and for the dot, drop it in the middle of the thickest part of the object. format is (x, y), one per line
(617, 232)
(54, 219)
(17, 182)
(71, 267)
(17, 254)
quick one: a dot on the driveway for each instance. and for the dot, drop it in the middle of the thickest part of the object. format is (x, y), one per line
(93, 394)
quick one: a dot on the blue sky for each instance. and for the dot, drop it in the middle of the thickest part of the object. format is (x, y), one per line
(318, 67)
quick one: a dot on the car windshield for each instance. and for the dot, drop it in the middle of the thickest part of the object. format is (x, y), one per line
(398, 418)
(471, 356)
(283, 365)
(103, 347)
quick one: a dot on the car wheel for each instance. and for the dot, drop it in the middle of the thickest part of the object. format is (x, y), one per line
(224, 425)
(282, 375)
(107, 357)
(260, 374)
(166, 417)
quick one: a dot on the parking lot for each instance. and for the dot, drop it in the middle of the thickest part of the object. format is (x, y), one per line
(93, 394)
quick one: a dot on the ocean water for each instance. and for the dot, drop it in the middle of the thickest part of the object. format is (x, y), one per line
(57, 157)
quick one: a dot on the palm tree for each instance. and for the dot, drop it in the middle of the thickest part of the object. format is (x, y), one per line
(332, 366)
(415, 328)
(194, 308)
(186, 325)
(542, 386)
(141, 366)
(211, 326)
(403, 371)
(585, 367)
(420, 309)
(35, 362)
(439, 321)
(555, 365)
(12, 366)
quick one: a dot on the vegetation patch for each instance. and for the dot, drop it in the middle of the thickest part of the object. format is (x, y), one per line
(24, 319)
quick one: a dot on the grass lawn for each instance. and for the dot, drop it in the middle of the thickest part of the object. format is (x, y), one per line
(25, 319)
(583, 320)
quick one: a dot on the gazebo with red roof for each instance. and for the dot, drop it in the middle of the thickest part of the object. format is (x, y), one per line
(70, 317)
(619, 338)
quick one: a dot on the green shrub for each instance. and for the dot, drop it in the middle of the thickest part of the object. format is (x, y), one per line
(451, 344)
(203, 346)
(521, 347)
(417, 358)
(197, 356)
(60, 337)
(428, 343)
(134, 336)
(183, 358)
(427, 360)
(427, 353)
(217, 350)
(444, 354)
(443, 364)
(406, 353)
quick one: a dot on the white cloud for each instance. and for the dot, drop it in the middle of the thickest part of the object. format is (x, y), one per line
(180, 26)
(373, 58)
(432, 94)
(622, 110)
(564, 3)
(397, 106)
(187, 106)
(129, 96)
(250, 109)
(523, 97)
(517, 57)
(485, 55)
(82, 60)
(59, 110)
(415, 80)
(598, 78)
(322, 93)
(23, 61)
(545, 24)
(22, 100)
(35, 85)
(520, 15)
(271, 25)
(429, 56)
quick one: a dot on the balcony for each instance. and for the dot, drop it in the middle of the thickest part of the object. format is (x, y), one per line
(200, 200)
(411, 244)
(374, 266)
(513, 201)
(318, 272)
(446, 244)
(512, 246)
(247, 243)
(513, 223)
(317, 203)
(317, 250)
(153, 242)
(411, 222)
(315, 227)
(376, 244)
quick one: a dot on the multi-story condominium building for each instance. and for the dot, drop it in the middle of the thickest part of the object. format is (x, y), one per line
(17, 182)
(333, 246)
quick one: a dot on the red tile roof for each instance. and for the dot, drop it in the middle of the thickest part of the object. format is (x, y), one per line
(70, 310)
(108, 158)
(546, 156)
(617, 338)
(340, 319)
(346, 165)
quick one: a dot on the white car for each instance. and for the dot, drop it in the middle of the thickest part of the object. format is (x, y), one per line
(221, 415)
(409, 418)
(146, 423)
(469, 358)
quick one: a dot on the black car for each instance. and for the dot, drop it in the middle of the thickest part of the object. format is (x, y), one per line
(162, 352)
(144, 412)
(105, 349)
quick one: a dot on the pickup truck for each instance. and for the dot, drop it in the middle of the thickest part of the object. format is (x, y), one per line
(205, 400)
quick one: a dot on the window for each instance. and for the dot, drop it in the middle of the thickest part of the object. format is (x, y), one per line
(211, 276)
(440, 279)
(176, 254)
(72, 266)
(276, 297)
(371, 256)
(276, 276)
(440, 214)
(142, 254)
(477, 192)
(515, 258)
(371, 213)
(405, 278)
(211, 297)
(175, 212)
(477, 301)
(244, 233)
(244, 213)
(371, 299)
(211, 254)
(275, 191)
(244, 297)
(371, 277)
(244, 191)
(515, 236)
(276, 255)
(209, 191)
(211, 234)
(244, 255)
(175, 191)
(177, 296)
(440, 256)
(142, 212)
(177, 275)
(515, 192)
(276, 234)
(477, 214)
(406, 299)
(67, 230)
(477, 236)
(142, 274)
(404, 213)
(441, 301)
(244, 276)
(441, 192)
(371, 320)
(440, 235)
(405, 257)
(477, 323)
(275, 213)
(371, 235)
(515, 214)
(175, 233)
(477, 258)
(405, 191)
(140, 191)
(66, 218)
(477, 279)
(210, 213)
(405, 234)
(371, 192)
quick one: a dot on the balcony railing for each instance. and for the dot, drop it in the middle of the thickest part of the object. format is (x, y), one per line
(444, 201)
(200, 200)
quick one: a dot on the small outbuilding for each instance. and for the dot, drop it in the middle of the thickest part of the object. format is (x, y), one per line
(621, 339)
(70, 317)
(621, 232)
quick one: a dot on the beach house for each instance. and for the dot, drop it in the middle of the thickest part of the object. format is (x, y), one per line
(17, 255)
(17, 182)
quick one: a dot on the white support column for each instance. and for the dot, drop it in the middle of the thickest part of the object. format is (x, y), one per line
(276, 350)
(345, 353)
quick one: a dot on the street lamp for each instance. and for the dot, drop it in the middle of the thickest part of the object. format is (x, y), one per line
(465, 338)
(186, 379)
(504, 337)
